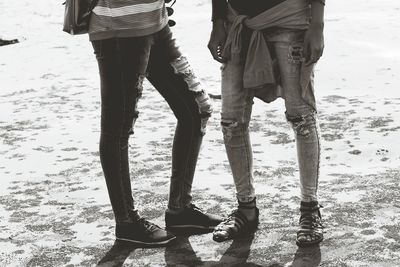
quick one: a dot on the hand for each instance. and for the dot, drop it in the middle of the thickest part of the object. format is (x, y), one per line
(313, 44)
(217, 40)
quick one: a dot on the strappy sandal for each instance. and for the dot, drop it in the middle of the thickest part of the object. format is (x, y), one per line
(311, 228)
(234, 226)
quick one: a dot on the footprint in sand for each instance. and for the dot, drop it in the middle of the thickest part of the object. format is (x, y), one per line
(379, 122)
(355, 152)
(334, 99)
(382, 153)
(368, 232)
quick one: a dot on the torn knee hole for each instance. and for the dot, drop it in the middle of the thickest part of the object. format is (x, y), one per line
(181, 66)
(135, 117)
(296, 54)
(203, 124)
(139, 84)
(229, 124)
(302, 125)
(301, 128)
(232, 127)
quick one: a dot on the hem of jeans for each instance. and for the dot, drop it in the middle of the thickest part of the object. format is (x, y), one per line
(175, 208)
(319, 153)
(309, 198)
(245, 199)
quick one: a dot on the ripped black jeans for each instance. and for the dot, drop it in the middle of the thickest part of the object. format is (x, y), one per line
(123, 64)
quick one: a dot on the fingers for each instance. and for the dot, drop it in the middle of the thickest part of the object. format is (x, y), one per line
(314, 55)
(306, 51)
(216, 52)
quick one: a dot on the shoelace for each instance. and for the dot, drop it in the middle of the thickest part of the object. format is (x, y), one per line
(194, 207)
(147, 226)
(230, 221)
(231, 217)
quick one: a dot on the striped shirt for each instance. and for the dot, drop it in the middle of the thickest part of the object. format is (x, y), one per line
(127, 18)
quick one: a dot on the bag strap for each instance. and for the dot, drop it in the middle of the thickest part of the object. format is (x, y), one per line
(92, 5)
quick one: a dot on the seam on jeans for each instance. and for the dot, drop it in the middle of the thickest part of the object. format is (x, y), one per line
(184, 100)
(302, 121)
(192, 97)
(244, 123)
(248, 106)
(189, 148)
(183, 70)
(122, 129)
(247, 145)
(247, 160)
(319, 155)
(247, 152)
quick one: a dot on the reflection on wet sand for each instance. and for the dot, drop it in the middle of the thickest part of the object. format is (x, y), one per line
(117, 255)
(181, 253)
(307, 257)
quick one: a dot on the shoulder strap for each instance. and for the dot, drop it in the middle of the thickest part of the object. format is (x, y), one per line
(93, 4)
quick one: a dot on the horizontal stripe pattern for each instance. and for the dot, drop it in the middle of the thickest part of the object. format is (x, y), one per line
(122, 3)
(127, 10)
(131, 18)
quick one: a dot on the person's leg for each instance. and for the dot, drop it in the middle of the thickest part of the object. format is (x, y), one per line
(172, 76)
(235, 117)
(301, 115)
(288, 47)
(122, 63)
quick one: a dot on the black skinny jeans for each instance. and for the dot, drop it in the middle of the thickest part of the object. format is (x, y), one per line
(123, 64)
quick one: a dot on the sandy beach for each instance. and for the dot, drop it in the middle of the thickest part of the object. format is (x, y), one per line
(54, 207)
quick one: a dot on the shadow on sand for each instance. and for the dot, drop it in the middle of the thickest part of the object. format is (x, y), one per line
(181, 253)
(307, 257)
(117, 255)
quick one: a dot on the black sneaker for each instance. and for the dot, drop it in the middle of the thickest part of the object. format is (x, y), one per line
(143, 233)
(191, 217)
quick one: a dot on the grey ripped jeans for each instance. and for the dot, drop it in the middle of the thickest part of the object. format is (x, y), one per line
(236, 113)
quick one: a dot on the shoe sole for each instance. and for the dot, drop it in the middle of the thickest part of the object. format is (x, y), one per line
(189, 230)
(199, 227)
(220, 240)
(141, 243)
